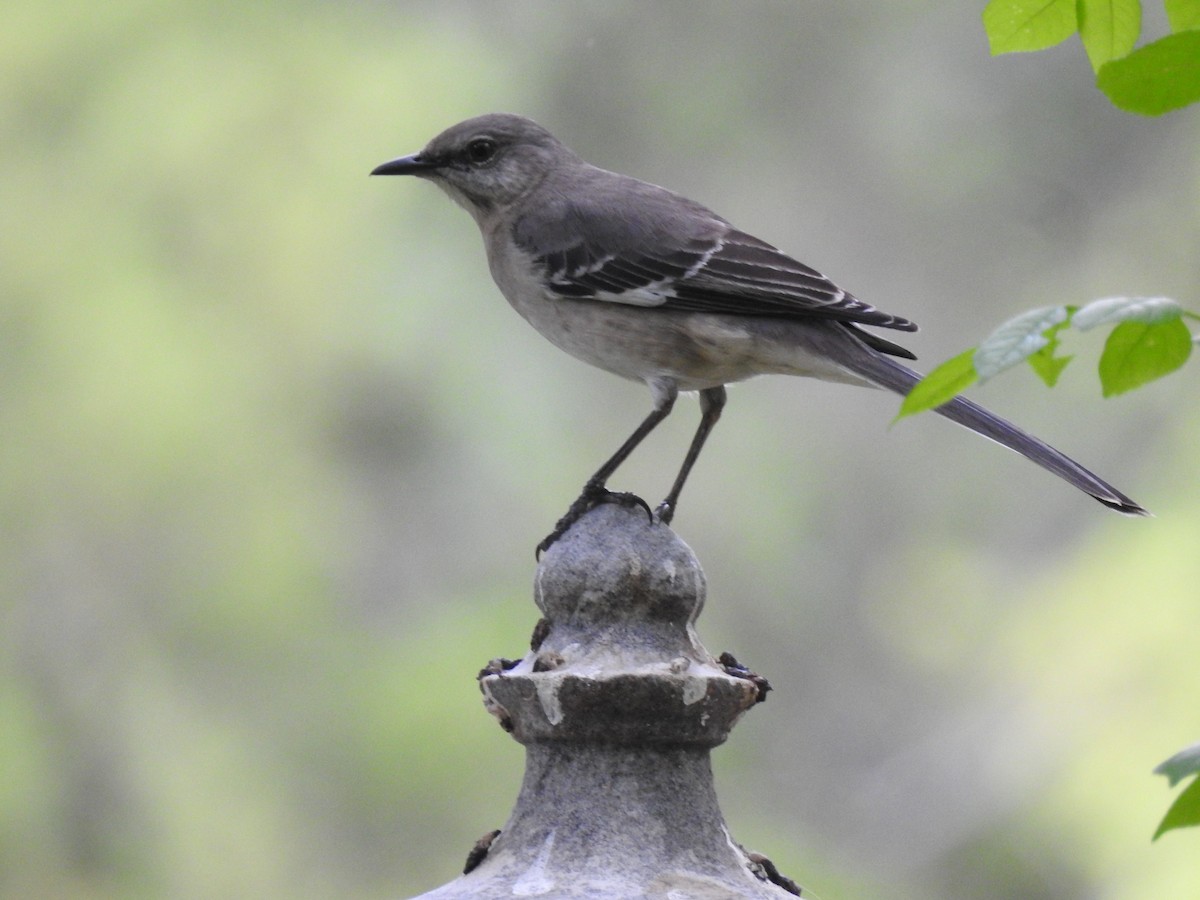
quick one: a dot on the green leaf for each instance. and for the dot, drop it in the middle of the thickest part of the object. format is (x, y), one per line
(1126, 309)
(1018, 339)
(1015, 26)
(1136, 353)
(1047, 366)
(1108, 28)
(1045, 362)
(1157, 78)
(1184, 812)
(1184, 763)
(944, 383)
(1184, 15)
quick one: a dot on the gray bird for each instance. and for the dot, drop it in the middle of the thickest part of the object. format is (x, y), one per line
(654, 287)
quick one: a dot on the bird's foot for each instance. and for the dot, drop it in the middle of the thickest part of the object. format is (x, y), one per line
(663, 513)
(593, 495)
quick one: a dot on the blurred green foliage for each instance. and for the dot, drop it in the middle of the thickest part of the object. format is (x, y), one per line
(261, 417)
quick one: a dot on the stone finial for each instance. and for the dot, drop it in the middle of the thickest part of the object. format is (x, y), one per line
(618, 706)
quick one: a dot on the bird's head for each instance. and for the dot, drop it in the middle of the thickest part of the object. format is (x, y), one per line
(486, 162)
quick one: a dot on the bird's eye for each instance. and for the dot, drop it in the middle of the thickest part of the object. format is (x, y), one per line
(481, 150)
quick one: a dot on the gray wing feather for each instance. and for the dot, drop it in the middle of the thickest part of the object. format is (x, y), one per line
(671, 253)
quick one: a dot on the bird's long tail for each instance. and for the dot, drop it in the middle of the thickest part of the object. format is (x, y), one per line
(888, 373)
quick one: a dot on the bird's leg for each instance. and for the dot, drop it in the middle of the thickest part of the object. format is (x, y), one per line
(594, 491)
(712, 401)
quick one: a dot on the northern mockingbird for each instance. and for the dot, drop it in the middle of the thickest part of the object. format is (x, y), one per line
(654, 287)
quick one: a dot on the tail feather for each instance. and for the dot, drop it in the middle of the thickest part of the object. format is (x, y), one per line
(888, 373)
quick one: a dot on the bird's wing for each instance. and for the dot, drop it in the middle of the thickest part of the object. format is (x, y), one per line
(677, 255)
(747, 276)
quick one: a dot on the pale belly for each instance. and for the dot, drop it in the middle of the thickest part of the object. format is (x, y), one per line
(695, 350)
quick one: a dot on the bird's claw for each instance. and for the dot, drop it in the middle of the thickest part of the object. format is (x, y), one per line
(592, 496)
(625, 498)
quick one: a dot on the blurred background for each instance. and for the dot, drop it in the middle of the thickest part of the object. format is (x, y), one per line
(276, 453)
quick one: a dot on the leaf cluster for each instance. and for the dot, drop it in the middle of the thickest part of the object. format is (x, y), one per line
(1148, 340)
(1159, 77)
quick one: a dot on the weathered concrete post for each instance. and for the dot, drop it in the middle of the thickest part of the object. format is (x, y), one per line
(618, 706)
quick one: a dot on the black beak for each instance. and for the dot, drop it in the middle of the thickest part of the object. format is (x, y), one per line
(406, 165)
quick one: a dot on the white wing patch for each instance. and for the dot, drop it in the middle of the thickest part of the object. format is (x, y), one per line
(637, 284)
(654, 294)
